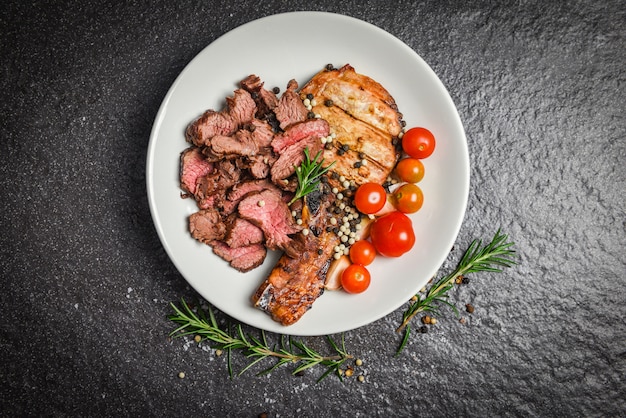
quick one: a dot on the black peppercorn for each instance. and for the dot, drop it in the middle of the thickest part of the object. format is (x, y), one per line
(276, 90)
(309, 96)
(328, 103)
(357, 164)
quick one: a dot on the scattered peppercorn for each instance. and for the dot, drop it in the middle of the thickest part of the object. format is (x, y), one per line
(349, 372)
(310, 115)
(358, 362)
(309, 96)
(320, 251)
(469, 308)
(361, 378)
(358, 164)
(276, 90)
(263, 415)
(423, 329)
(181, 375)
(197, 338)
(466, 280)
(329, 67)
(433, 321)
(340, 152)
(345, 147)
(426, 319)
(328, 103)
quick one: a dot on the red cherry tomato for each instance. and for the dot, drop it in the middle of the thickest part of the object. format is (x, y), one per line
(392, 234)
(418, 142)
(355, 279)
(370, 198)
(408, 198)
(362, 252)
(410, 170)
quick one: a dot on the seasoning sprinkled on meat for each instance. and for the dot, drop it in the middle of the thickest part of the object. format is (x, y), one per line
(273, 216)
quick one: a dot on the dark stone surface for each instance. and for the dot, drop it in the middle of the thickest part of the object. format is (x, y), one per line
(540, 87)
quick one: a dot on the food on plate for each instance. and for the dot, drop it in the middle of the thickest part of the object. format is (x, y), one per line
(410, 170)
(392, 234)
(408, 198)
(355, 279)
(370, 198)
(244, 168)
(363, 147)
(418, 142)
(362, 252)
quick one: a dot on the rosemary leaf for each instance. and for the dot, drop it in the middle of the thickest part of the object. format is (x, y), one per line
(490, 258)
(309, 174)
(233, 338)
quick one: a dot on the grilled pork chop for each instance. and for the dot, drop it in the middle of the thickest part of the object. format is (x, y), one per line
(365, 123)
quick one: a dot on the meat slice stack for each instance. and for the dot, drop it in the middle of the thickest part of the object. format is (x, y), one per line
(239, 168)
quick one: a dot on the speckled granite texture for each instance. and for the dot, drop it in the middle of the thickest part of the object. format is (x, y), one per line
(541, 89)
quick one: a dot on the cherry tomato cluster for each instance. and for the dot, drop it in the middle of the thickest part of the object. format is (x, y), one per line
(391, 234)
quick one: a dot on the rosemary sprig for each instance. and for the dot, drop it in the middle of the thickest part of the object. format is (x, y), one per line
(309, 173)
(490, 258)
(290, 351)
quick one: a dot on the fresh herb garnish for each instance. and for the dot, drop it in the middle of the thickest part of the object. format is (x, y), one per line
(233, 338)
(309, 174)
(489, 258)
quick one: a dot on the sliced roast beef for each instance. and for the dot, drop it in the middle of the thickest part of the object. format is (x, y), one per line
(242, 233)
(290, 108)
(208, 125)
(206, 225)
(298, 131)
(292, 156)
(260, 165)
(240, 190)
(241, 258)
(262, 132)
(241, 107)
(212, 187)
(241, 143)
(193, 166)
(269, 212)
(265, 100)
(252, 83)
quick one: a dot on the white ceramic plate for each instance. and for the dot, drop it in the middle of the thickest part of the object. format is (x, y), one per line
(297, 45)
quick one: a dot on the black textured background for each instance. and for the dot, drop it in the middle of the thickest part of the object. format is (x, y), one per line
(540, 87)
